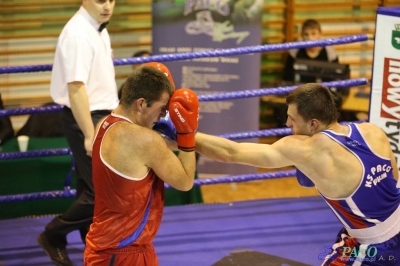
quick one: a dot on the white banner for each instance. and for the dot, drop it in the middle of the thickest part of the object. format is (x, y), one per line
(385, 91)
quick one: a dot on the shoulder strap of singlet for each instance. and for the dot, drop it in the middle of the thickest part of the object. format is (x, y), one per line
(355, 133)
(355, 138)
(107, 121)
(130, 239)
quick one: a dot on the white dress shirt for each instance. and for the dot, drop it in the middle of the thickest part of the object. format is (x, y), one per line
(84, 54)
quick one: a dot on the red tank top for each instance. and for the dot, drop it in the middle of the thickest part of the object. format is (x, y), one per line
(127, 211)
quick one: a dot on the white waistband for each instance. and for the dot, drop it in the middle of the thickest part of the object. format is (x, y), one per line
(380, 232)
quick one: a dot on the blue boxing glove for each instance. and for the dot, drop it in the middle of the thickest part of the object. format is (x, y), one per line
(303, 180)
(166, 128)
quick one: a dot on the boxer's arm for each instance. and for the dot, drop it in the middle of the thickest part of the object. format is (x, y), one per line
(80, 109)
(177, 171)
(284, 152)
(171, 144)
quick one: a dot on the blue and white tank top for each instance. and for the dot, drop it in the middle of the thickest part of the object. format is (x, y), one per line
(376, 197)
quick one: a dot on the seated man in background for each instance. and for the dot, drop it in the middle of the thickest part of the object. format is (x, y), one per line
(310, 31)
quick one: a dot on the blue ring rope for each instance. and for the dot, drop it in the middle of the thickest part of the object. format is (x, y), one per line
(67, 192)
(340, 84)
(210, 53)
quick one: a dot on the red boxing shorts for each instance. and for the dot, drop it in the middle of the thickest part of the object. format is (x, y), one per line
(132, 255)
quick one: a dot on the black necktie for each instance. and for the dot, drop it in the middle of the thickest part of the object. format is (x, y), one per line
(102, 26)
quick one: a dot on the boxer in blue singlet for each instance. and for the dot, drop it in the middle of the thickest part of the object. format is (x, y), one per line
(352, 166)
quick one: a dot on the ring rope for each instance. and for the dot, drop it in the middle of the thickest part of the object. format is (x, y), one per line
(67, 192)
(66, 151)
(35, 153)
(273, 132)
(31, 110)
(210, 53)
(339, 84)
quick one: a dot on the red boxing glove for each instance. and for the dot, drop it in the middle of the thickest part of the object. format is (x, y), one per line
(184, 113)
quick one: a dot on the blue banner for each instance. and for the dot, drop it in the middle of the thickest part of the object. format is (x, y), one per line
(195, 26)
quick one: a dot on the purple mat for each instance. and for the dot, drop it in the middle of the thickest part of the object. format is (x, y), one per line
(261, 232)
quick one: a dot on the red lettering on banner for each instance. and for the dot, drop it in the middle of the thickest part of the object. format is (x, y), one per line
(391, 89)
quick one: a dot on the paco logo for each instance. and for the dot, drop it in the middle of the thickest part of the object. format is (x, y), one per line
(390, 107)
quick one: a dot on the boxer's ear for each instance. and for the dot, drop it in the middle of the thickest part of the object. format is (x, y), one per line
(140, 103)
(314, 125)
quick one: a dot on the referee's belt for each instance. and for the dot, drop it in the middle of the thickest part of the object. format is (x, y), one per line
(95, 112)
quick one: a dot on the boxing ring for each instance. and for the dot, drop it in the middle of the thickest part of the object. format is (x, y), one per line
(289, 231)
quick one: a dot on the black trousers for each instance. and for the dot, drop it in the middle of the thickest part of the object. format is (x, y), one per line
(80, 214)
